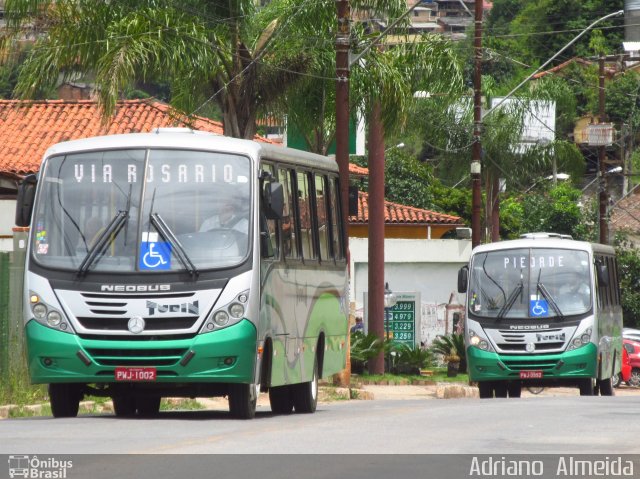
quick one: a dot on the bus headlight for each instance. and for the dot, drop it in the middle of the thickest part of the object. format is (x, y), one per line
(54, 318)
(479, 342)
(236, 310)
(39, 310)
(221, 318)
(580, 340)
(227, 315)
(48, 315)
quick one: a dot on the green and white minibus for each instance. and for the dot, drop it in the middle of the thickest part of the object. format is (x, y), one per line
(543, 310)
(183, 264)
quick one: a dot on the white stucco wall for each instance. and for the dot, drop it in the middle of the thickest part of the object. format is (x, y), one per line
(7, 222)
(429, 267)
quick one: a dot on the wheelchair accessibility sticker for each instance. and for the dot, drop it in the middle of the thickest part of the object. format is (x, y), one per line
(155, 256)
(538, 307)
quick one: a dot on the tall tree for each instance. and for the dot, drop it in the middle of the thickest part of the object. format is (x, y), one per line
(232, 53)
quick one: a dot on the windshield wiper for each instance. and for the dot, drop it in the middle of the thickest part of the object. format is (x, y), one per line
(512, 299)
(106, 237)
(167, 234)
(545, 293)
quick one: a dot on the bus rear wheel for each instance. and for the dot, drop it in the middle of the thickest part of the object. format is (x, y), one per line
(281, 399)
(305, 395)
(242, 401)
(65, 399)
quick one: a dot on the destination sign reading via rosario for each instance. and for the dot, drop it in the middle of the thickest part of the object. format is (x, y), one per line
(164, 173)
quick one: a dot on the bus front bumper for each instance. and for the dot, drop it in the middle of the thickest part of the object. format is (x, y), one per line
(490, 366)
(225, 356)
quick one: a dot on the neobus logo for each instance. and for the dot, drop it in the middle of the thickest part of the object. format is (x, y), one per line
(530, 328)
(135, 288)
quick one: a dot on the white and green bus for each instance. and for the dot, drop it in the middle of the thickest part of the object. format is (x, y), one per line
(183, 264)
(543, 310)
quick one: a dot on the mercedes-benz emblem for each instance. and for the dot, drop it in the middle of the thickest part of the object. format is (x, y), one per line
(136, 325)
(531, 347)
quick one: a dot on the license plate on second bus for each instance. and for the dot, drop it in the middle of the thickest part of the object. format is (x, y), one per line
(531, 374)
(135, 374)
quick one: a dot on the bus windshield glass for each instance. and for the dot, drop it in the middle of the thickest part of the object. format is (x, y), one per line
(530, 283)
(143, 211)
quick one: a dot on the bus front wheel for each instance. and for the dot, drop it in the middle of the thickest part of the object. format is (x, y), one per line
(586, 387)
(485, 389)
(65, 399)
(305, 395)
(605, 387)
(242, 400)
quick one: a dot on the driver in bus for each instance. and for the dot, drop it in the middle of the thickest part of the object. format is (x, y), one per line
(228, 216)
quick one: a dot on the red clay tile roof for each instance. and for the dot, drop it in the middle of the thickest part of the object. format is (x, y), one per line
(27, 129)
(400, 214)
(625, 215)
(358, 170)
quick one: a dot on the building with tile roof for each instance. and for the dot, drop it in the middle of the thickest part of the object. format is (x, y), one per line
(27, 129)
(403, 221)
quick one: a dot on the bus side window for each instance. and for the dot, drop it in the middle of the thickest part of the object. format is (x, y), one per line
(270, 226)
(305, 212)
(337, 247)
(288, 223)
(322, 217)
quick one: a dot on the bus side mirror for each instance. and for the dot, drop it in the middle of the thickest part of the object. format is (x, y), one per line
(273, 196)
(463, 279)
(24, 202)
(603, 274)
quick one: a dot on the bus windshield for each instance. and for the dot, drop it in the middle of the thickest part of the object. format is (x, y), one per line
(143, 210)
(530, 283)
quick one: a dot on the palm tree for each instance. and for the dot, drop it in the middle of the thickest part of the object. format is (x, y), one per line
(232, 53)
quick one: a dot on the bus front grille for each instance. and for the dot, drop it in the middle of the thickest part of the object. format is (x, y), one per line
(532, 364)
(151, 324)
(136, 357)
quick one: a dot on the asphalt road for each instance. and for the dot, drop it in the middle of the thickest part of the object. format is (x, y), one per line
(554, 425)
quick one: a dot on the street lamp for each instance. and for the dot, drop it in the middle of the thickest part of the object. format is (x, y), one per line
(399, 145)
(390, 301)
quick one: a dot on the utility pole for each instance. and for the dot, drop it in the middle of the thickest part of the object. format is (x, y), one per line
(476, 152)
(342, 109)
(342, 136)
(603, 191)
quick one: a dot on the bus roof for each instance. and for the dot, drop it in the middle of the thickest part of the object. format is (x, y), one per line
(197, 140)
(544, 242)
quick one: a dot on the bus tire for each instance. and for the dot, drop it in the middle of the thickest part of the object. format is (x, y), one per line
(500, 389)
(485, 389)
(586, 387)
(305, 395)
(514, 389)
(124, 406)
(606, 387)
(148, 406)
(616, 380)
(242, 401)
(65, 399)
(281, 399)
